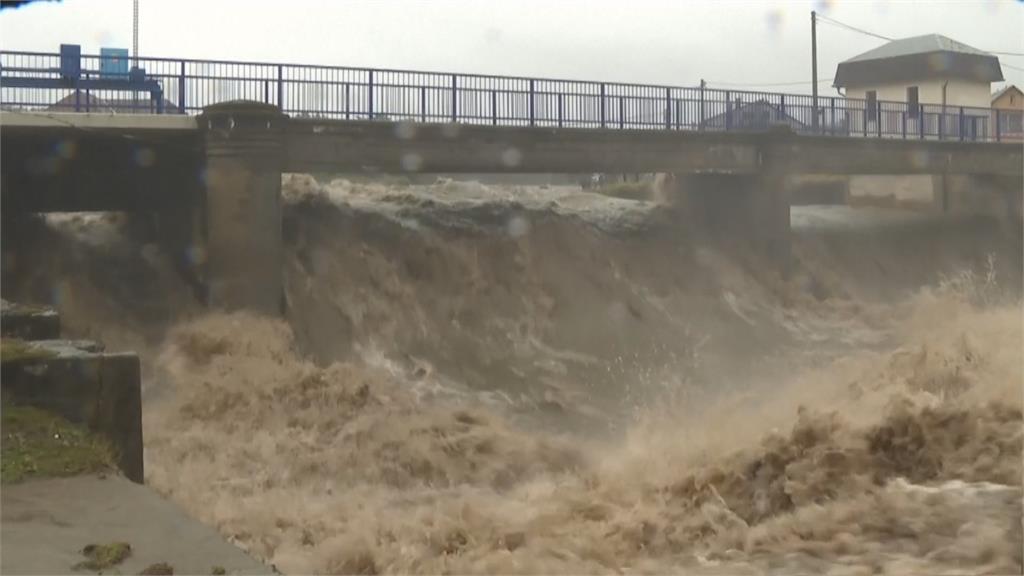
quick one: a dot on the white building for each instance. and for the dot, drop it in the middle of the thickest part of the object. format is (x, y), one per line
(931, 74)
(930, 69)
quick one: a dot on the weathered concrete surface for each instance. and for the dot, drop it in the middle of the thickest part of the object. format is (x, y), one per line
(67, 169)
(325, 145)
(313, 146)
(750, 210)
(245, 254)
(28, 322)
(127, 123)
(46, 523)
(80, 382)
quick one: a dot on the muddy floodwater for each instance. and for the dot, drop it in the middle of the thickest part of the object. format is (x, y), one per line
(502, 379)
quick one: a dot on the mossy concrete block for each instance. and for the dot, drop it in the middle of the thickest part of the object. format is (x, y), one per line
(86, 386)
(28, 322)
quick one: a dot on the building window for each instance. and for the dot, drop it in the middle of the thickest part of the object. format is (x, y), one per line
(913, 105)
(871, 104)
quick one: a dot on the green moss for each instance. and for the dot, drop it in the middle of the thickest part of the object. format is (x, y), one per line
(627, 190)
(37, 443)
(14, 349)
(218, 571)
(158, 569)
(103, 556)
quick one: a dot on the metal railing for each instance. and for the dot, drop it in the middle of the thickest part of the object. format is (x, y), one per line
(375, 94)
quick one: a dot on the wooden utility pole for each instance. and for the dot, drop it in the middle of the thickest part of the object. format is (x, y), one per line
(814, 67)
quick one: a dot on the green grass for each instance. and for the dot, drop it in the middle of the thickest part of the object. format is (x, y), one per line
(103, 556)
(39, 444)
(13, 349)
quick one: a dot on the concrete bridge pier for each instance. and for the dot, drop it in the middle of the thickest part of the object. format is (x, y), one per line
(244, 161)
(739, 211)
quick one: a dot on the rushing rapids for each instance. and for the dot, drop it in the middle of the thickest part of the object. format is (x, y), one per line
(499, 379)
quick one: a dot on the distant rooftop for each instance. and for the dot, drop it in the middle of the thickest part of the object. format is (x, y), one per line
(919, 58)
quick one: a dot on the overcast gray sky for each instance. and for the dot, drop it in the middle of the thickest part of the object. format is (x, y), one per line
(677, 43)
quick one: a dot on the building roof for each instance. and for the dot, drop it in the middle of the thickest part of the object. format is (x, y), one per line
(1008, 88)
(756, 115)
(919, 58)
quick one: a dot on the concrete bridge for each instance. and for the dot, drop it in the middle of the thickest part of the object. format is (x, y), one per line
(214, 180)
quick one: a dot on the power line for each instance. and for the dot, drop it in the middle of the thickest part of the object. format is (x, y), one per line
(828, 20)
(835, 22)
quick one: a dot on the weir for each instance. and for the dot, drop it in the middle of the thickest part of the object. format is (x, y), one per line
(213, 182)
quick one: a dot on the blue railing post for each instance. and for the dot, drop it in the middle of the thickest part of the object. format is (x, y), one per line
(369, 95)
(280, 88)
(668, 108)
(961, 123)
(78, 106)
(728, 110)
(701, 125)
(998, 127)
(602, 105)
(531, 103)
(832, 122)
(455, 98)
(494, 108)
(423, 103)
(181, 88)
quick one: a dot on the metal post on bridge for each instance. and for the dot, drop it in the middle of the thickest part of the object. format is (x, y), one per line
(728, 111)
(832, 122)
(961, 130)
(701, 125)
(423, 103)
(998, 135)
(602, 105)
(455, 99)
(369, 95)
(494, 108)
(181, 88)
(280, 88)
(532, 117)
(348, 101)
(559, 109)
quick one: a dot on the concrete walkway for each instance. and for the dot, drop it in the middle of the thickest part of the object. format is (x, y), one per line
(44, 525)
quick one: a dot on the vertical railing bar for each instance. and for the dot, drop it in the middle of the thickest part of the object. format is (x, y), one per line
(454, 98)
(280, 88)
(369, 95)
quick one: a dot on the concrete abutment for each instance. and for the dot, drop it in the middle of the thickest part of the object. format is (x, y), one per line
(741, 211)
(244, 162)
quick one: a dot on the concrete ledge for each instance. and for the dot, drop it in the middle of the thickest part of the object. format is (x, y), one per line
(76, 380)
(97, 121)
(28, 322)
